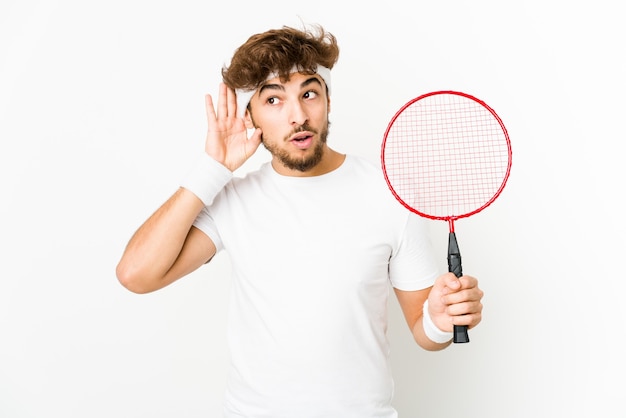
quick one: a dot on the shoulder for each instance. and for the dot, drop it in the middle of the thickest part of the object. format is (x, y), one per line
(253, 177)
(368, 172)
(363, 163)
(365, 168)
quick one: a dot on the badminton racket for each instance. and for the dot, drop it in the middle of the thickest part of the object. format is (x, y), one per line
(446, 155)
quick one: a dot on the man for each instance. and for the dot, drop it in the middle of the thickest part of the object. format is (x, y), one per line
(315, 238)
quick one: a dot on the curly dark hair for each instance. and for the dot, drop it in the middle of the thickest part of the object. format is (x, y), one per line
(279, 50)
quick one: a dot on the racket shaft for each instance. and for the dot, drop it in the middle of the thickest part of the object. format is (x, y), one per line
(454, 266)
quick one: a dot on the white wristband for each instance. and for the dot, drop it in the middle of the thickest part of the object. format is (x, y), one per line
(431, 330)
(206, 179)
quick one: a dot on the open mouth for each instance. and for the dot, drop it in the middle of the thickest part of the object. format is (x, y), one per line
(302, 140)
(302, 136)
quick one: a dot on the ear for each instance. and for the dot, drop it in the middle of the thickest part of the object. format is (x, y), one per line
(328, 106)
(248, 120)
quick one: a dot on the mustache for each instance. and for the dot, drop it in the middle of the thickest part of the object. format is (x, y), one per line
(302, 128)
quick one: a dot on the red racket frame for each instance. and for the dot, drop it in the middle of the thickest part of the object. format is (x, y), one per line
(449, 219)
(454, 256)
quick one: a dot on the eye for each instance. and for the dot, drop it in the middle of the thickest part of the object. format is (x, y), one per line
(311, 94)
(273, 100)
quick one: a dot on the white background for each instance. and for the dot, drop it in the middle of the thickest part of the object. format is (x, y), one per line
(102, 111)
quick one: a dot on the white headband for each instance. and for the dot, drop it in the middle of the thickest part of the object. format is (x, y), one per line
(244, 96)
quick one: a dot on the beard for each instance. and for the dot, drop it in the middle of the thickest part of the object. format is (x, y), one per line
(304, 163)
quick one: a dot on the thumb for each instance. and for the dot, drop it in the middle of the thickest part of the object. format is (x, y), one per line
(445, 284)
(447, 281)
(254, 141)
(451, 283)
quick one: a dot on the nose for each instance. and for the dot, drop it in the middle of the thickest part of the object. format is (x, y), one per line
(297, 113)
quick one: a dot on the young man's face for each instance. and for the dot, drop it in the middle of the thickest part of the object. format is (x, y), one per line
(294, 119)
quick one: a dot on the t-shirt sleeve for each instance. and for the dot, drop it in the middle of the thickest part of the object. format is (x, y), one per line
(205, 223)
(412, 265)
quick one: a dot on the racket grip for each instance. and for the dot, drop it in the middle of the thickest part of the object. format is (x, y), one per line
(460, 334)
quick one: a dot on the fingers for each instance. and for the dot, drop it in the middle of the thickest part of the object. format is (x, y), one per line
(469, 315)
(452, 284)
(226, 103)
(222, 103)
(470, 294)
(231, 102)
(255, 140)
(210, 110)
(462, 299)
(227, 138)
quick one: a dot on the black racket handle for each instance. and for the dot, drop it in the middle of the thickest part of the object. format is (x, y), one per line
(454, 266)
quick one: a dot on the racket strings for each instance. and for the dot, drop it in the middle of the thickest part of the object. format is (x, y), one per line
(446, 156)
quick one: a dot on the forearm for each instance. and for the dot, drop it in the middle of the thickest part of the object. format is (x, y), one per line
(157, 244)
(424, 331)
(166, 247)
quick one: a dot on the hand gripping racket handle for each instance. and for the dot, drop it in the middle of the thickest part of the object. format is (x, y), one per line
(454, 266)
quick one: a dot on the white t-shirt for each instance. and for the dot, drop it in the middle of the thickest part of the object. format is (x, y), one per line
(312, 260)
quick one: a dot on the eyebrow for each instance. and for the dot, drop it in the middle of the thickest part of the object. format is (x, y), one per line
(280, 87)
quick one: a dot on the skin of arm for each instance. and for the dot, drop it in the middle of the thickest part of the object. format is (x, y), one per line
(452, 301)
(167, 246)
